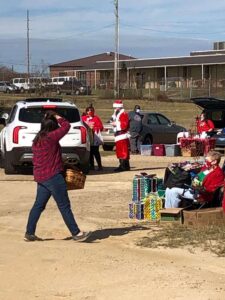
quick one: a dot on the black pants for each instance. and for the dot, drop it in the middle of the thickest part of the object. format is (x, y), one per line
(135, 142)
(94, 153)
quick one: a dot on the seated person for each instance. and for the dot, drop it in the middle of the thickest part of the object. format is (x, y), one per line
(208, 180)
(204, 125)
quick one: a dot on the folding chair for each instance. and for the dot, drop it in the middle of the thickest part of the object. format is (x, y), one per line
(194, 204)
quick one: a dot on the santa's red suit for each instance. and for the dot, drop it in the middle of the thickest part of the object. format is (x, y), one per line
(121, 125)
(121, 134)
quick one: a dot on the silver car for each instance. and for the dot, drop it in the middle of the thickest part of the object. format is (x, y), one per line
(7, 87)
(157, 129)
(108, 137)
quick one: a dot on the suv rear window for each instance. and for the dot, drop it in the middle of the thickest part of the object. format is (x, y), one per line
(36, 114)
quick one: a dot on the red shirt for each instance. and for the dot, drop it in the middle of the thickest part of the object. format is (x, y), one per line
(47, 154)
(211, 182)
(204, 126)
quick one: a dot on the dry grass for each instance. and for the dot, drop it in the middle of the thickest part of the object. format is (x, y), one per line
(211, 238)
(182, 113)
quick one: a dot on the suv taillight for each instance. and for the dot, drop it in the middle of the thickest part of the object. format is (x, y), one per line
(16, 133)
(83, 132)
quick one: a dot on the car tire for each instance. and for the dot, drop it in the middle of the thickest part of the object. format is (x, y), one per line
(22, 90)
(9, 168)
(107, 147)
(1, 161)
(77, 92)
(58, 92)
(147, 140)
(7, 91)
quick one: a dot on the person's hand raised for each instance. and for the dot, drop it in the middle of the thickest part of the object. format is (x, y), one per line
(50, 114)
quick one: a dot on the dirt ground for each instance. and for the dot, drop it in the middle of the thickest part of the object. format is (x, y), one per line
(110, 265)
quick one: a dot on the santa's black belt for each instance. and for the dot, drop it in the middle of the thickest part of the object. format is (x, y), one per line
(120, 132)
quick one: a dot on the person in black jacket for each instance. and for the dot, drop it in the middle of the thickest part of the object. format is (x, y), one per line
(135, 119)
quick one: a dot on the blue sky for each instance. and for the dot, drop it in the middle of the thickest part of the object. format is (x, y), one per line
(66, 30)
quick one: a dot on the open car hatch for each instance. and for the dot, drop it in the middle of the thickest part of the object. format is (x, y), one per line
(209, 103)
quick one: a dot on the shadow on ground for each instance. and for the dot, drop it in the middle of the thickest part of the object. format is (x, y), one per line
(106, 170)
(102, 234)
(110, 170)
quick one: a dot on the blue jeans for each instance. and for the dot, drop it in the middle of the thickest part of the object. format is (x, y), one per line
(56, 187)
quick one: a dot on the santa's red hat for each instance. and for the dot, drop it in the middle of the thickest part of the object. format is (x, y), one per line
(118, 104)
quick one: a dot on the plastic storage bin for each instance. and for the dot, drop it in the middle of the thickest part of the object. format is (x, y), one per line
(172, 150)
(146, 149)
(158, 149)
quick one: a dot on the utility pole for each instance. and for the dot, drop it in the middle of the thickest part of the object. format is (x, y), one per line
(116, 54)
(28, 47)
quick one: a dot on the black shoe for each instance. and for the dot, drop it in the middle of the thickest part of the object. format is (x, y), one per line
(119, 169)
(31, 238)
(100, 168)
(81, 237)
(92, 168)
(126, 165)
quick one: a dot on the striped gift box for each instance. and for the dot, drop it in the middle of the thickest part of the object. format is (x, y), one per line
(153, 204)
(136, 210)
(141, 188)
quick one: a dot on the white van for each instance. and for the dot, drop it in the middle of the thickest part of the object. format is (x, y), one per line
(25, 84)
(22, 84)
(61, 79)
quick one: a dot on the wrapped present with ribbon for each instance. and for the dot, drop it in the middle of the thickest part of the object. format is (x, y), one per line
(153, 204)
(131, 214)
(144, 184)
(141, 186)
(136, 210)
(160, 185)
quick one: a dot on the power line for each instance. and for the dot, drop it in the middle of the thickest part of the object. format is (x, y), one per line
(176, 32)
(19, 64)
(75, 35)
(78, 34)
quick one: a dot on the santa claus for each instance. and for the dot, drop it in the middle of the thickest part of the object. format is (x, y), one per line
(120, 122)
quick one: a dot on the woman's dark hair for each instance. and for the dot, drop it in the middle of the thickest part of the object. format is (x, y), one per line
(47, 125)
(90, 107)
(203, 114)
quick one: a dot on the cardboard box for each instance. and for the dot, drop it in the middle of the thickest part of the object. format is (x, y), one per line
(189, 152)
(171, 215)
(204, 217)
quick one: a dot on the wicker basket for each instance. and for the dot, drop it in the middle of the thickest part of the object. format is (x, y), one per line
(75, 179)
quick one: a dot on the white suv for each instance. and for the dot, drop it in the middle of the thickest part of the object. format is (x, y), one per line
(22, 125)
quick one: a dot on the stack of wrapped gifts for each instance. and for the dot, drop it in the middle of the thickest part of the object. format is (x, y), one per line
(148, 192)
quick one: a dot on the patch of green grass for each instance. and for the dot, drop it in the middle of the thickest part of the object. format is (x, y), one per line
(211, 238)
